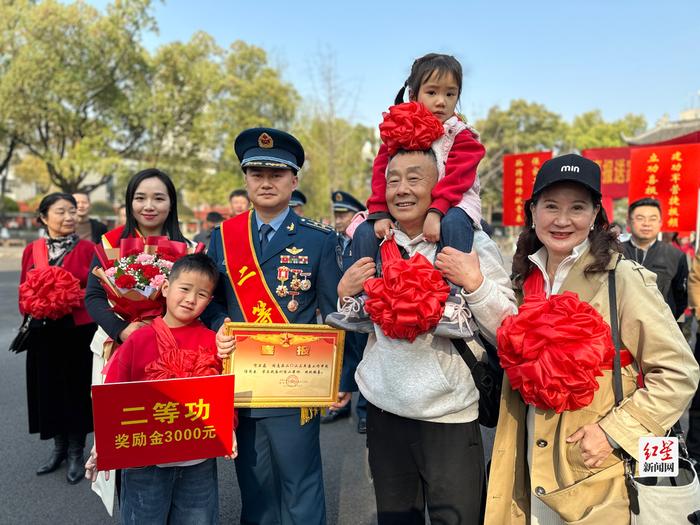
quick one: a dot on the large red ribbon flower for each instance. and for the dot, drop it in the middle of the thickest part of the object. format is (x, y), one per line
(409, 298)
(409, 126)
(49, 292)
(553, 349)
(174, 362)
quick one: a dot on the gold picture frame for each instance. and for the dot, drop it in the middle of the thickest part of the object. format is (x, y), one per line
(285, 365)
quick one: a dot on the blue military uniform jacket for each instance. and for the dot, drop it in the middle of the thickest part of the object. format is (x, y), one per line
(299, 243)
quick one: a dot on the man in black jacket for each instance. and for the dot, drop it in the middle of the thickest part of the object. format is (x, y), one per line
(667, 262)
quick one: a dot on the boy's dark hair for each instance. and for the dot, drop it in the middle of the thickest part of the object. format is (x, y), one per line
(646, 201)
(239, 193)
(196, 262)
(424, 67)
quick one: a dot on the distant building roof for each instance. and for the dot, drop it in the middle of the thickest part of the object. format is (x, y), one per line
(682, 131)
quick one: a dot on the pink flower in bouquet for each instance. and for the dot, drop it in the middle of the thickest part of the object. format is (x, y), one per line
(145, 258)
(157, 281)
(111, 272)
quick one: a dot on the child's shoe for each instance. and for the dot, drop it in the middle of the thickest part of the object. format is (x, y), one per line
(457, 321)
(352, 316)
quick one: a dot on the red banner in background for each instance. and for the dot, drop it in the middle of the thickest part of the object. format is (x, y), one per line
(156, 422)
(519, 171)
(670, 174)
(614, 169)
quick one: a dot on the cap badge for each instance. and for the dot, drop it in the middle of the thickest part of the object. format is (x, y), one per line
(265, 141)
(338, 197)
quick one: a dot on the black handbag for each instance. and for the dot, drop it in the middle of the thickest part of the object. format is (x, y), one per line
(28, 327)
(488, 382)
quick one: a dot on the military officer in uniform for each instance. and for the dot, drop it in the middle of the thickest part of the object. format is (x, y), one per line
(275, 267)
(297, 202)
(345, 206)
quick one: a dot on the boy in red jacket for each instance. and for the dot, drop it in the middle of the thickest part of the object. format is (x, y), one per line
(176, 345)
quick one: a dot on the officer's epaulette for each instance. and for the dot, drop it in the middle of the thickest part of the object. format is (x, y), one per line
(305, 221)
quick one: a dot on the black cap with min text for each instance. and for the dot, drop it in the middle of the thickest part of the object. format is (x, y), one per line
(570, 167)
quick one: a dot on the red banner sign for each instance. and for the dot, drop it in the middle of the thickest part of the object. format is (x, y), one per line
(670, 174)
(155, 422)
(519, 171)
(614, 170)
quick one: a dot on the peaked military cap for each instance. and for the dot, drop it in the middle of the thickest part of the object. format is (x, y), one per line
(268, 148)
(298, 199)
(343, 201)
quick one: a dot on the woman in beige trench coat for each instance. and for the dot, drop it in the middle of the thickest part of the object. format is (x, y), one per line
(552, 468)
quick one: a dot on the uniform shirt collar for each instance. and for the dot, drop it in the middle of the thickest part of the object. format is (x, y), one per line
(275, 223)
(539, 259)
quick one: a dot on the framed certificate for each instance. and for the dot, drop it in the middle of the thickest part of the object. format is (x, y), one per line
(285, 365)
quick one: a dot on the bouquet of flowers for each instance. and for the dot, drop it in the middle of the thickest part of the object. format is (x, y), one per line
(134, 276)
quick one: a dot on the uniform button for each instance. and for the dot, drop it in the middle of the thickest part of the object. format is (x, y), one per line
(541, 443)
(540, 491)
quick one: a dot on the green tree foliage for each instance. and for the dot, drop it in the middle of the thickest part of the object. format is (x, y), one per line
(253, 94)
(67, 90)
(524, 126)
(590, 130)
(334, 161)
(9, 204)
(528, 126)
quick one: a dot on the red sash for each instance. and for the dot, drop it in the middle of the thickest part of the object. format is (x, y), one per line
(111, 238)
(255, 298)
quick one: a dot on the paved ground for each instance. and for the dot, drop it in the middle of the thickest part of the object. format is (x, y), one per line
(26, 498)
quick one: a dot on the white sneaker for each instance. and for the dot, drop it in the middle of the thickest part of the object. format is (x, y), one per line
(352, 316)
(457, 321)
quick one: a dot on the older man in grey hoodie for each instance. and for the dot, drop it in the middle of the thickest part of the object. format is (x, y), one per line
(422, 425)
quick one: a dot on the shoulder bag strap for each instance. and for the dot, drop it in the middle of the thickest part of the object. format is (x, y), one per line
(464, 352)
(615, 328)
(617, 386)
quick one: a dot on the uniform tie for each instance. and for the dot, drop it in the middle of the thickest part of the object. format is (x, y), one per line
(265, 229)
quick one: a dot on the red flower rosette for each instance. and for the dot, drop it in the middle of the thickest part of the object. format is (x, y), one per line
(49, 292)
(409, 298)
(174, 362)
(553, 349)
(183, 363)
(409, 126)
